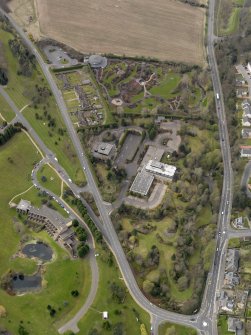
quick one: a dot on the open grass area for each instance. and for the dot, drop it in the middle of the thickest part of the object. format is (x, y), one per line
(60, 276)
(5, 111)
(233, 23)
(22, 89)
(166, 87)
(171, 328)
(109, 188)
(49, 179)
(222, 325)
(126, 312)
(228, 16)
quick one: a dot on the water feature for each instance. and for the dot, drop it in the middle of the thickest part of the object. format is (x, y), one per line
(21, 283)
(38, 250)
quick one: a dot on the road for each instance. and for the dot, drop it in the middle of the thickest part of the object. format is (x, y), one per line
(50, 158)
(205, 320)
(108, 229)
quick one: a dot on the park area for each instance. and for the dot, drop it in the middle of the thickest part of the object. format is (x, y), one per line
(165, 30)
(31, 94)
(56, 284)
(150, 88)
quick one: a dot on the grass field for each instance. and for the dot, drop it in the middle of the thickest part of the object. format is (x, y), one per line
(5, 111)
(53, 182)
(21, 89)
(127, 312)
(60, 277)
(167, 30)
(222, 325)
(228, 16)
(170, 328)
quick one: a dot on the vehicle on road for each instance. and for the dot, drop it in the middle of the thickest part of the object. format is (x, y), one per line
(217, 96)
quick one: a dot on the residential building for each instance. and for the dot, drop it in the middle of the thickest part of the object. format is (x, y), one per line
(232, 260)
(246, 133)
(23, 206)
(249, 67)
(246, 151)
(246, 121)
(226, 303)
(235, 325)
(55, 225)
(231, 279)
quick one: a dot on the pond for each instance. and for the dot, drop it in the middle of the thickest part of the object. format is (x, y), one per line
(38, 250)
(21, 283)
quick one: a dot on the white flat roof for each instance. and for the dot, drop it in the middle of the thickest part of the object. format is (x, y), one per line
(159, 168)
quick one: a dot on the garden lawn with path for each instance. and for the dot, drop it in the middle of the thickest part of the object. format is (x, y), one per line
(22, 90)
(60, 277)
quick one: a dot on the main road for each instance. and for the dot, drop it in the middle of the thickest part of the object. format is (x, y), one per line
(205, 320)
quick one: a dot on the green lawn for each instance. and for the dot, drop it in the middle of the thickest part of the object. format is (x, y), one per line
(17, 158)
(233, 23)
(126, 312)
(171, 328)
(222, 325)
(21, 89)
(5, 110)
(166, 87)
(53, 182)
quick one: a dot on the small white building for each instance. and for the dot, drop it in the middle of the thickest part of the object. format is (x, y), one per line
(246, 151)
(105, 315)
(160, 169)
(249, 67)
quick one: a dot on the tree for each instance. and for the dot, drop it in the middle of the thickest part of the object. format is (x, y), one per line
(118, 292)
(75, 293)
(106, 325)
(83, 250)
(44, 179)
(183, 283)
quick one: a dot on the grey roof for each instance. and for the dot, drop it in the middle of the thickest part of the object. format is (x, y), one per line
(246, 151)
(232, 260)
(234, 324)
(153, 153)
(246, 132)
(142, 183)
(97, 61)
(104, 148)
(54, 217)
(24, 205)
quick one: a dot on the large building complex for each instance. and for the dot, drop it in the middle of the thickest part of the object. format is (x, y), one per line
(160, 169)
(142, 183)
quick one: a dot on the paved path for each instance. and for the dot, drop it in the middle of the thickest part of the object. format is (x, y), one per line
(71, 324)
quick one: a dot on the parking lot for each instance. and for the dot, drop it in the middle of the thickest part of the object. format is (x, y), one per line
(128, 149)
(58, 57)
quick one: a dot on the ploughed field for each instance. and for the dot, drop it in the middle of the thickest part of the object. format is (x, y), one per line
(163, 29)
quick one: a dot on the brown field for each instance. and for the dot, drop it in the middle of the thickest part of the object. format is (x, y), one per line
(164, 29)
